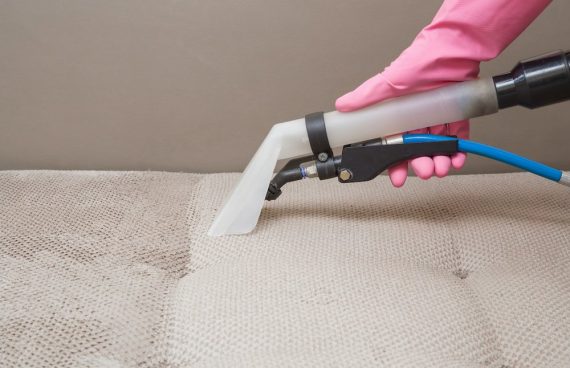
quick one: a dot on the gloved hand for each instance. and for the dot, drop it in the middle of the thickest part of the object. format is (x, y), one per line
(462, 34)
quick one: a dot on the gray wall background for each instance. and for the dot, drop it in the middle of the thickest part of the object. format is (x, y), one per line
(189, 85)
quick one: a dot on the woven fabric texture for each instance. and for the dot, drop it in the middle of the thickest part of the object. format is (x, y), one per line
(108, 269)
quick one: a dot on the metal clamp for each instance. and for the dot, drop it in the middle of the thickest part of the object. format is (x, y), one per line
(319, 141)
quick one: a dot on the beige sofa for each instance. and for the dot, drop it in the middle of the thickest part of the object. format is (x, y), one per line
(114, 269)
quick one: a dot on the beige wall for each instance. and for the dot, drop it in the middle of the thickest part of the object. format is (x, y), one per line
(191, 85)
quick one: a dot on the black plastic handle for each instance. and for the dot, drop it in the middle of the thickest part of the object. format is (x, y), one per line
(367, 162)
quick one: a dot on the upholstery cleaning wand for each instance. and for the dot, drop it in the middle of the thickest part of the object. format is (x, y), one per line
(532, 83)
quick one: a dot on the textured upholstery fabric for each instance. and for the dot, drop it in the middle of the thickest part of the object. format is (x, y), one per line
(107, 269)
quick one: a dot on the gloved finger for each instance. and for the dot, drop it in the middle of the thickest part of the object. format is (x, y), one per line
(423, 167)
(374, 90)
(458, 160)
(398, 174)
(459, 129)
(442, 164)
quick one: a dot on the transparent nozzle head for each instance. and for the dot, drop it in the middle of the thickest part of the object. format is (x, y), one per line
(241, 211)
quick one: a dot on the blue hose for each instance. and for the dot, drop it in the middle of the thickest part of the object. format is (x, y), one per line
(492, 153)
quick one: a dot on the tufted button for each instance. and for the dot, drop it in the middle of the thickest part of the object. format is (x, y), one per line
(461, 273)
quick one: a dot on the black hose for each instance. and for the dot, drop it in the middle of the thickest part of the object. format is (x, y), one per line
(281, 178)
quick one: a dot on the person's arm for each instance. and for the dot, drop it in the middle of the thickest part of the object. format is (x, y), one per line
(450, 49)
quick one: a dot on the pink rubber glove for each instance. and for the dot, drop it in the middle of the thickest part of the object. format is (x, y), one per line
(462, 34)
